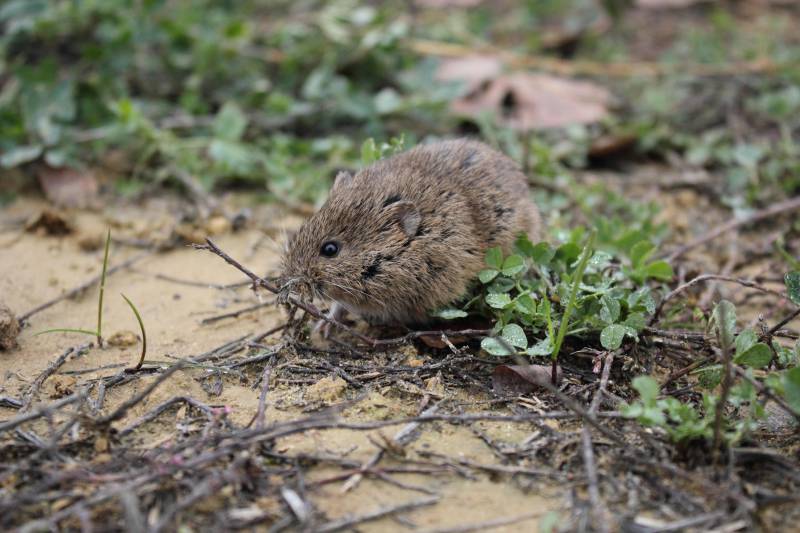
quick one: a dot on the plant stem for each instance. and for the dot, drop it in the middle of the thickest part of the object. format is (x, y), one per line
(577, 277)
(102, 290)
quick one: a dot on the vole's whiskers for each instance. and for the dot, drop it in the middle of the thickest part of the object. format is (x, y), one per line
(353, 291)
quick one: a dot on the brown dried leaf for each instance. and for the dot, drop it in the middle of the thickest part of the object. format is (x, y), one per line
(49, 222)
(514, 380)
(474, 71)
(68, 187)
(535, 101)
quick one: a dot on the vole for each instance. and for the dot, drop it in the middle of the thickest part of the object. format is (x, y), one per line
(408, 234)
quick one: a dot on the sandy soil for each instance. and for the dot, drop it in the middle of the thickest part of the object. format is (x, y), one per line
(35, 268)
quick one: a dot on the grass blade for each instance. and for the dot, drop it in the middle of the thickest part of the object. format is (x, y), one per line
(144, 335)
(102, 291)
(66, 330)
(576, 282)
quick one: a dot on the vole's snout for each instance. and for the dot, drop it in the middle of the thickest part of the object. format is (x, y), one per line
(298, 286)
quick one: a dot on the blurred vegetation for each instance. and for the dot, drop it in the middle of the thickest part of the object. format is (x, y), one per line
(279, 94)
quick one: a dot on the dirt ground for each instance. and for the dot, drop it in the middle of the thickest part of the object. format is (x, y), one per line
(174, 291)
(328, 451)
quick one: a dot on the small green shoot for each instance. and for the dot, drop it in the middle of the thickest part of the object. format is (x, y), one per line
(577, 277)
(102, 291)
(98, 332)
(144, 334)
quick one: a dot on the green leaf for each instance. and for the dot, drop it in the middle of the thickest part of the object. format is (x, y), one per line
(502, 284)
(369, 152)
(746, 339)
(724, 318)
(543, 347)
(387, 101)
(498, 300)
(710, 377)
(791, 387)
(611, 336)
(513, 265)
(230, 122)
(567, 253)
(450, 313)
(640, 252)
(494, 258)
(757, 356)
(19, 155)
(493, 346)
(541, 253)
(525, 304)
(609, 309)
(636, 322)
(660, 270)
(647, 387)
(792, 280)
(515, 336)
(487, 275)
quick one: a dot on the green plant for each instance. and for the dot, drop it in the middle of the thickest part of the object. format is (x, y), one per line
(600, 293)
(684, 421)
(97, 332)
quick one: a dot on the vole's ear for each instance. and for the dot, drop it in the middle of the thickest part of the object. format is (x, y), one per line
(407, 215)
(342, 179)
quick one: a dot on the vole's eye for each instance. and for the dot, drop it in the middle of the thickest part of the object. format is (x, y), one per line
(329, 249)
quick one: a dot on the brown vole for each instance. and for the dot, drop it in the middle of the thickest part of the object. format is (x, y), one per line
(408, 234)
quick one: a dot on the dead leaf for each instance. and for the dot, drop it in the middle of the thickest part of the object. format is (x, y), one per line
(536, 101)
(49, 222)
(611, 145)
(9, 328)
(514, 380)
(68, 187)
(60, 386)
(474, 71)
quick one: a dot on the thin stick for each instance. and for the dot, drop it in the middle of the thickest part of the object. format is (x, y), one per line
(27, 398)
(706, 277)
(82, 287)
(349, 523)
(592, 68)
(486, 525)
(42, 411)
(786, 206)
(131, 402)
(783, 322)
(598, 509)
(235, 314)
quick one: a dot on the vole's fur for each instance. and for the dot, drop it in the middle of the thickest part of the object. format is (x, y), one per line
(413, 230)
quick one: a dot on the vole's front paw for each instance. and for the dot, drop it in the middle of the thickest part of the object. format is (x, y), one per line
(323, 328)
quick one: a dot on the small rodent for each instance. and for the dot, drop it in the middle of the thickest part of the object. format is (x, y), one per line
(406, 235)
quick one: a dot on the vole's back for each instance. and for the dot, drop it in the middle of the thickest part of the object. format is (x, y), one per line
(459, 182)
(463, 198)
